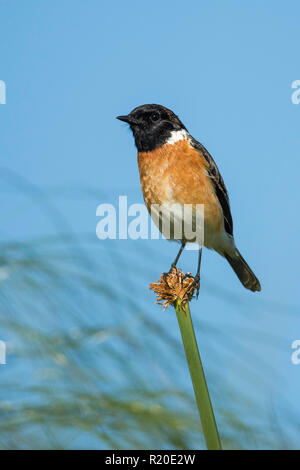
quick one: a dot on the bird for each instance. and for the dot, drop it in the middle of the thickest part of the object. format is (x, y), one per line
(177, 169)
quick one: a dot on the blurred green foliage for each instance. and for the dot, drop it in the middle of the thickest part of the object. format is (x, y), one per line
(92, 362)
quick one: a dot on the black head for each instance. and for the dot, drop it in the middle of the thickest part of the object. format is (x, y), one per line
(151, 125)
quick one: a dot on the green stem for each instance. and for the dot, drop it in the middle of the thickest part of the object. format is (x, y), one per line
(207, 417)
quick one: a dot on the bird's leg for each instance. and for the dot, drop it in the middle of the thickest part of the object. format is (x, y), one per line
(173, 265)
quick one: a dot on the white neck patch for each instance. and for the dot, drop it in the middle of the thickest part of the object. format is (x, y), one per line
(182, 134)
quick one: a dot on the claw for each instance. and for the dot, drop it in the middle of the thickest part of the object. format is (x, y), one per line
(169, 272)
(195, 284)
(165, 276)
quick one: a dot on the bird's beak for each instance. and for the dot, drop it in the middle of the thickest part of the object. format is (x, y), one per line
(129, 119)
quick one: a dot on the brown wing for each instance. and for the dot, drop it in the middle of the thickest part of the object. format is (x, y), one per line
(219, 185)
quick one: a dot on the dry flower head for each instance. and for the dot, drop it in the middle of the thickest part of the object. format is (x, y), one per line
(172, 287)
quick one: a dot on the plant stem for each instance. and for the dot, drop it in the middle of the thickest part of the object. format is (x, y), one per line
(207, 417)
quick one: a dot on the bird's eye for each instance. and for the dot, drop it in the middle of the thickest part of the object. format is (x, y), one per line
(155, 116)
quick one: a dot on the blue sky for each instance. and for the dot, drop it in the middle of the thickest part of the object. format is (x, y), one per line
(226, 68)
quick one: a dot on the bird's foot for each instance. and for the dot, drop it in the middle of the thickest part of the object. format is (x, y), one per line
(173, 265)
(195, 284)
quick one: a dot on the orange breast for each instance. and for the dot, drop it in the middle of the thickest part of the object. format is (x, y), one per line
(177, 173)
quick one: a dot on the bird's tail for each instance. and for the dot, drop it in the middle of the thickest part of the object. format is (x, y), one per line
(242, 270)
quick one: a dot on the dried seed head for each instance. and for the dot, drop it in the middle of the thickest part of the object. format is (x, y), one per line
(172, 287)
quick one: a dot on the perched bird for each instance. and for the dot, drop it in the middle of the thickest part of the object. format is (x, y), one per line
(176, 169)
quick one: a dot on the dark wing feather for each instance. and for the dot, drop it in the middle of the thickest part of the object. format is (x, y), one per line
(219, 186)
